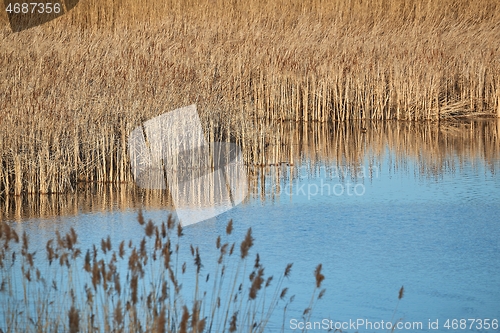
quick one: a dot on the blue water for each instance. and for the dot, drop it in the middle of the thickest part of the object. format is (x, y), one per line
(438, 235)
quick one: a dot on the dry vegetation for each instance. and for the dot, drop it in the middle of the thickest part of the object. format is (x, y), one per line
(139, 287)
(71, 90)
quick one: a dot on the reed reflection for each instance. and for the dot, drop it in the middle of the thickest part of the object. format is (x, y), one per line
(277, 152)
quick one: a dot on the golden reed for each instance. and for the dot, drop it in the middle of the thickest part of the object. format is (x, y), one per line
(137, 290)
(72, 89)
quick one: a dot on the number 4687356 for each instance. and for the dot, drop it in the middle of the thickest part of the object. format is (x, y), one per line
(33, 8)
(470, 324)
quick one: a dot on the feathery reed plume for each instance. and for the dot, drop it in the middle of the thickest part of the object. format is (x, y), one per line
(170, 222)
(283, 293)
(142, 249)
(257, 261)
(29, 259)
(166, 252)
(400, 296)
(268, 281)
(201, 325)
(184, 320)
(179, 230)
(195, 317)
(319, 277)
(233, 322)
(174, 280)
(25, 243)
(133, 288)
(161, 321)
(256, 284)
(197, 261)
(121, 250)
(96, 275)
(229, 227)
(118, 314)
(140, 217)
(164, 291)
(108, 243)
(118, 285)
(158, 240)
(104, 246)
(149, 228)
(74, 320)
(73, 236)
(246, 244)
(51, 255)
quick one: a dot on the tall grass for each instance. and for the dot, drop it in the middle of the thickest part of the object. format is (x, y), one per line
(138, 287)
(73, 89)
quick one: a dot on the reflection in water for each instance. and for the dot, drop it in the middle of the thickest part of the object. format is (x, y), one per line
(427, 220)
(281, 151)
(204, 179)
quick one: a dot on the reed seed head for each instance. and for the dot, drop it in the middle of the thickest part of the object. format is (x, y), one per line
(197, 261)
(268, 281)
(288, 270)
(161, 321)
(246, 244)
(229, 227)
(233, 322)
(319, 277)
(257, 261)
(184, 320)
(25, 242)
(121, 250)
(140, 217)
(170, 222)
(118, 314)
(133, 288)
(283, 293)
(401, 292)
(74, 320)
(163, 230)
(150, 227)
(256, 284)
(201, 325)
(73, 235)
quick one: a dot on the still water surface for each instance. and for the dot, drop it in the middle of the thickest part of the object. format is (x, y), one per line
(386, 226)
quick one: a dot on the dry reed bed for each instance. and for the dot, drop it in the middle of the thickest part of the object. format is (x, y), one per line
(73, 89)
(434, 149)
